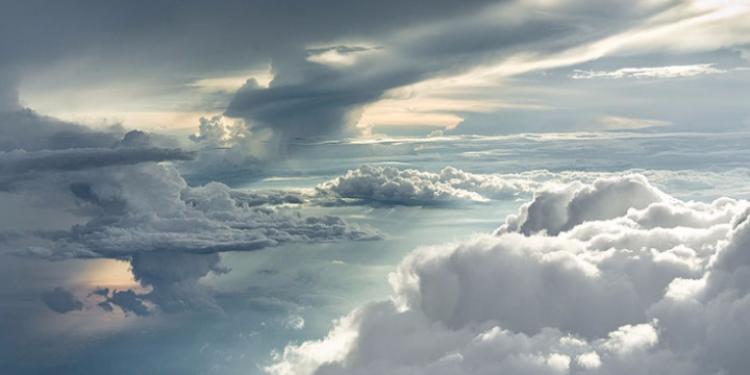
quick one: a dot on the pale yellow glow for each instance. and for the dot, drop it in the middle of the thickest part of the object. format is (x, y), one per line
(695, 26)
(333, 57)
(143, 120)
(629, 123)
(232, 83)
(108, 273)
(434, 103)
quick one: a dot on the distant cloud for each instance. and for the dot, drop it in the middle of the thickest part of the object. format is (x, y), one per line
(21, 162)
(630, 123)
(123, 203)
(61, 301)
(674, 71)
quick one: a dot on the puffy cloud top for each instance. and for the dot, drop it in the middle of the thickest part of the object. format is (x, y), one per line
(553, 211)
(410, 186)
(600, 288)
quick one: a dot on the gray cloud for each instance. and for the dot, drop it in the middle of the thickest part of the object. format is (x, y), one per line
(120, 203)
(170, 232)
(150, 208)
(24, 129)
(61, 301)
(20, 162)
(127, 300)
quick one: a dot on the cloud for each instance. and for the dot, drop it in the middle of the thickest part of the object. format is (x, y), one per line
(22, 162)
(389, 185)
(325, 97)
(24, 129)
(119, 202)
(559, 210)
(150, 208)
(674, 71)
(127, 300)
(384, 185)
(624, 279)
(630, 123)
(170, 232)
(61, 301)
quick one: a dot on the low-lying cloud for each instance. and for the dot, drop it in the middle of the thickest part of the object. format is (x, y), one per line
(613, 277)
(410, 186)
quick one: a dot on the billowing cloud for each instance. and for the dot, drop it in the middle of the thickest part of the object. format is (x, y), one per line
(409, 186)
(560, 210)
(171, 216)
(169, 231)
(119, 202)
(622, 279)
(373, 184)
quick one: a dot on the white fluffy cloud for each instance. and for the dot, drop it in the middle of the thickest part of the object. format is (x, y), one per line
(404, 186)
(613, 277)
(371, 184)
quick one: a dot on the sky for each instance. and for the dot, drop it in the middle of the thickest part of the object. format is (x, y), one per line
(375, 187)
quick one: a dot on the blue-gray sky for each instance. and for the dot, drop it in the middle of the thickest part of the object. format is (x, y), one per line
(326, 68)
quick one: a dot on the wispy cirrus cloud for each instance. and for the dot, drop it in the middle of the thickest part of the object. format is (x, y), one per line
(672, 71)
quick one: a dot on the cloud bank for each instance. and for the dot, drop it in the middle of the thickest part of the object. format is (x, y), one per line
(410, 186)
(613, 277)
(118, 194)
(384, 185)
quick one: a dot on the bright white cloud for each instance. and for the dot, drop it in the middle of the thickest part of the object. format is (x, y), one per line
(591, 296)
(674, 71)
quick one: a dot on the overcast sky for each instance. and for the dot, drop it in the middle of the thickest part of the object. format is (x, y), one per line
(333, 68)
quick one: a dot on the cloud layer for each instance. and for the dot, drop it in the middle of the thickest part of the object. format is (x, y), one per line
(613, 277)
(116, 194)
(410, 186)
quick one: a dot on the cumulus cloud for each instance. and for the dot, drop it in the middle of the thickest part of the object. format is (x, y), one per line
(61, 301)
(169, 231)
(373, 184)
(410, 186)
(553, 211)
(613, 277)
(120, 202)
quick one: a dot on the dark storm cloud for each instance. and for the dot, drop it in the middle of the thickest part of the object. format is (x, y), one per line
(27, 130)
(19, 162)
(407, 41)
(177, 42)
(312, 97)
(191, 34)
(127, 300)
(61, 301)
